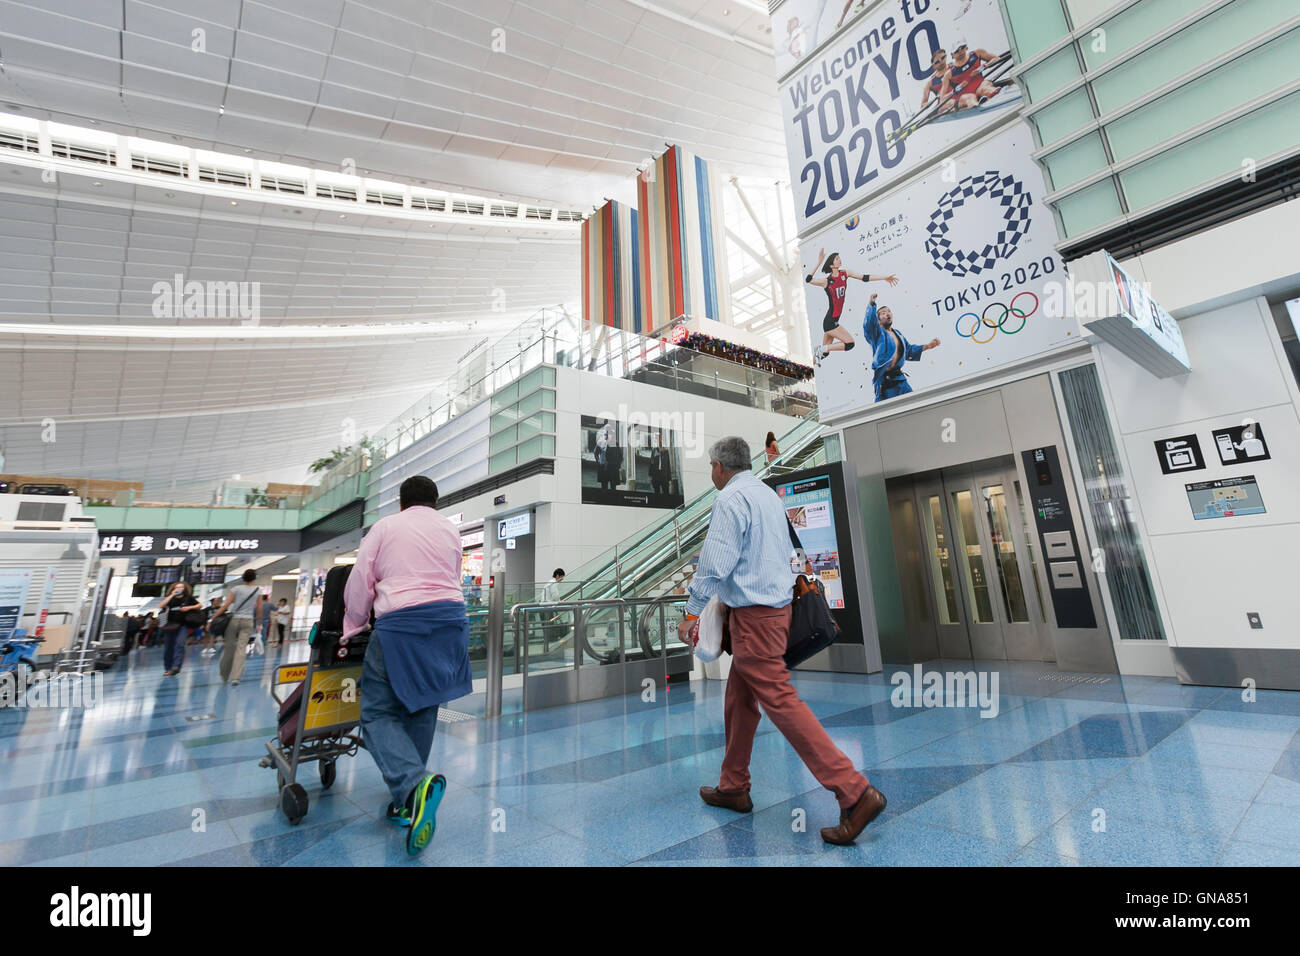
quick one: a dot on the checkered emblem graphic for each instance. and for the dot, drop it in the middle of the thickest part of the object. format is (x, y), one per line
(1015, 201)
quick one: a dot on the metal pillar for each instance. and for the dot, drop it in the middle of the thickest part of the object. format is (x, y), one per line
(495, 641)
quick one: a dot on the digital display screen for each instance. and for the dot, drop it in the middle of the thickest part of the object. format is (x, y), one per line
(808, 506)
(147, 574)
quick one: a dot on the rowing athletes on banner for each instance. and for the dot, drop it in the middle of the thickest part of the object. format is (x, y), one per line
(942, 279)
(892, 90)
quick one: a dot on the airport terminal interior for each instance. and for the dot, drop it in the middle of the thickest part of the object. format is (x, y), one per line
(919, 379)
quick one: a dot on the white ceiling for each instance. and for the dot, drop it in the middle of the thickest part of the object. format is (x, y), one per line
(407, 90)
(72, 249)
(183, 414)
(413, 89)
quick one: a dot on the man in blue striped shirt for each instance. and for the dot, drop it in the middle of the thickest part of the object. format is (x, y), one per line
(745, 563)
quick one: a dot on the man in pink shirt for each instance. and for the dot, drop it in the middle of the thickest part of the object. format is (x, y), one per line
(408, 573)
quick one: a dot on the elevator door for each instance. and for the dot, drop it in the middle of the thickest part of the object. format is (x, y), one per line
(974, 591)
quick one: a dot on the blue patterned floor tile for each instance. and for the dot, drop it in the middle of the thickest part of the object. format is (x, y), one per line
(1280, 792)
(1240, 853)
(1125, 842)
(902, 842)
(1270, 825)
(1215, 816)
(999, 818)
(1028, 857)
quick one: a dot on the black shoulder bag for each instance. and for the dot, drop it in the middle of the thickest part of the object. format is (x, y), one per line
(812, 627)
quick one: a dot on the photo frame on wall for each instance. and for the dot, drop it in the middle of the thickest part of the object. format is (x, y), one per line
(634, 465)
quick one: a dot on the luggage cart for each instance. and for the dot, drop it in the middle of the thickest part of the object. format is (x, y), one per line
(323, 723)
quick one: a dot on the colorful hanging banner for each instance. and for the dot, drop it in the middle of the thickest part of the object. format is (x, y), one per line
(611, 268)
(682, 241)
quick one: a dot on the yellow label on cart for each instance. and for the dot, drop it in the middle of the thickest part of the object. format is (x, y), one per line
(334, 698)
(291, 674)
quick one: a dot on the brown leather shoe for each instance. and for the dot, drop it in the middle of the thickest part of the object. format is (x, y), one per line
(855, 819)
(737, 800)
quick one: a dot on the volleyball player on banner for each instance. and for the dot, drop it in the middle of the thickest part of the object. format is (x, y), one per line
(835, 279)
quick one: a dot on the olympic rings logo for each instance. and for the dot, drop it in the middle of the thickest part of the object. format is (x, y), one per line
(983, 319)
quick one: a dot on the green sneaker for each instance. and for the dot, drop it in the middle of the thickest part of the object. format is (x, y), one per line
(398, 815)
(422, 805)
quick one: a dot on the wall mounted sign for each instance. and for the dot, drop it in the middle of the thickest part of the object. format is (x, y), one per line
(1241, 444)
(1225, 498)
(1118, 309)
(1052, 517)
(515, 526)
(125, 544)
(1178, 454)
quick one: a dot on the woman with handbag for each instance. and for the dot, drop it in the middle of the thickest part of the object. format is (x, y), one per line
(176, 632)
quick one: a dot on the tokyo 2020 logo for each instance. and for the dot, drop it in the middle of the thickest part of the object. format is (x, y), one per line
(998, 321)
(1015, 201)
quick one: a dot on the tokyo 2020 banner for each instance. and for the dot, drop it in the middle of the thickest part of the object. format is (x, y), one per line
(943, 279)
(892, 90)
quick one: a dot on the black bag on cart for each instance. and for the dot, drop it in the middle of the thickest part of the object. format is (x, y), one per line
(329, 630)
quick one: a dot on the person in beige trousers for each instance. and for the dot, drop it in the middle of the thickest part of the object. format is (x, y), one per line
(246, 601)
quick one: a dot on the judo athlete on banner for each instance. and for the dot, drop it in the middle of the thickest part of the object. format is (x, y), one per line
(891, 351)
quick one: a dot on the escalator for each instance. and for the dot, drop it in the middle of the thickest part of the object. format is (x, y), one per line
(613, 630)
(659, 560)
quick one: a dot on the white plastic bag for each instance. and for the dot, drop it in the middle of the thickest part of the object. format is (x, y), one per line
(708, 631)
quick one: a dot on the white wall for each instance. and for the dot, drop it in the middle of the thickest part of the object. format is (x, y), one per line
(569, 533)
(1253, 255)
(1211, 572)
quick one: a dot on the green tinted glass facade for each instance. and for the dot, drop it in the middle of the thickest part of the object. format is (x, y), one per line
(1137, 104)
(522, 426)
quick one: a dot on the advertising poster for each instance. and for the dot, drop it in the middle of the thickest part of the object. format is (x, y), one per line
(630, 464)
(958, 263)
(893, 90)
(13, 595)
(808, 505)
(318, 586)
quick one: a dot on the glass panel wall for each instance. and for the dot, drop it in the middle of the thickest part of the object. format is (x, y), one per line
(1110, 501)
(1125, 66)
(1035, 26)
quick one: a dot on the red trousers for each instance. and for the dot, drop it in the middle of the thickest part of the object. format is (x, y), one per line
(759, 677)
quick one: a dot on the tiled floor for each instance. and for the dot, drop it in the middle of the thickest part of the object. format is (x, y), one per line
(1130, 771)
